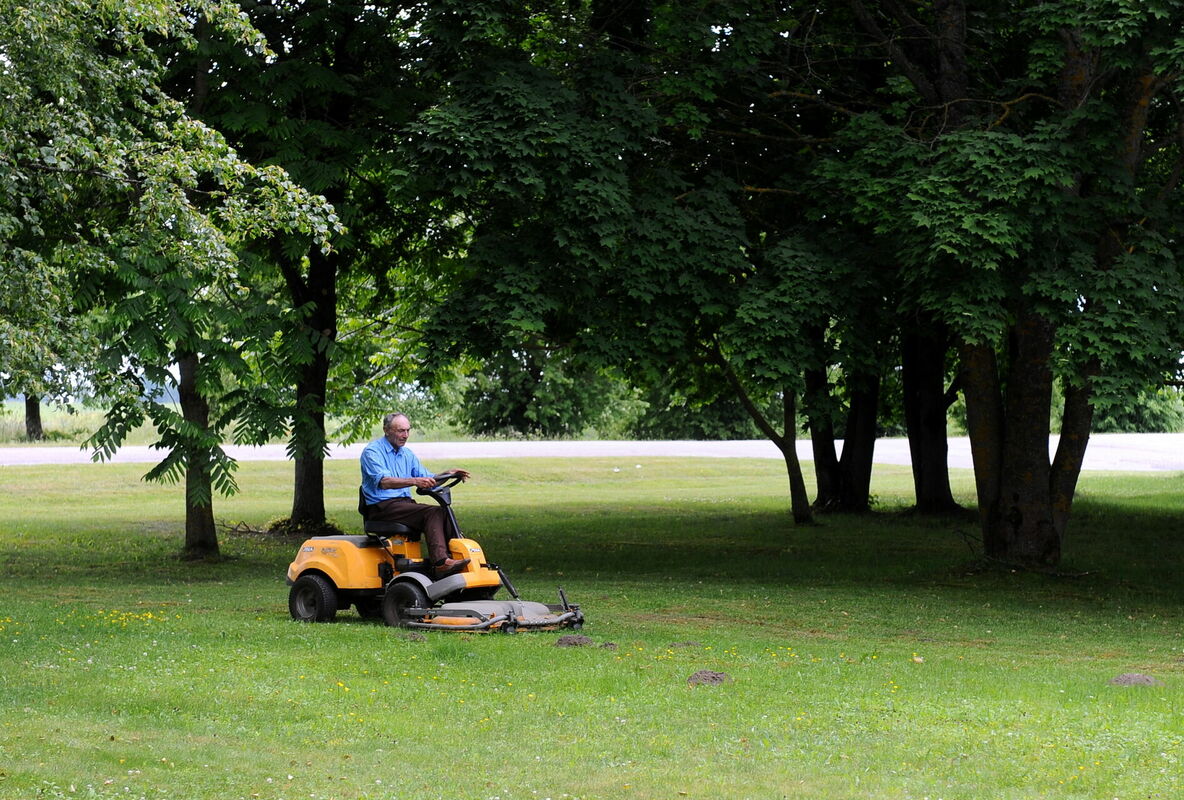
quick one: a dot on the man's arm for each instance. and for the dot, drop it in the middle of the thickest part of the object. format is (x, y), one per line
(423, 482)
(463, 473)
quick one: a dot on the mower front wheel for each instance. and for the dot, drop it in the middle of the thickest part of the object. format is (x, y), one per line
(398, 598)
(313, 599)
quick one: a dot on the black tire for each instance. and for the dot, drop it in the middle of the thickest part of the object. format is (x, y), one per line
(369, 607)
(399, 597)
(313, 599)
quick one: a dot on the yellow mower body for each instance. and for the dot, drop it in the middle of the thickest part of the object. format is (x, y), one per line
(353, 563)
(384, 574)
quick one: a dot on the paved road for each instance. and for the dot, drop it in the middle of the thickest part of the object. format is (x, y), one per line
(1162, 452)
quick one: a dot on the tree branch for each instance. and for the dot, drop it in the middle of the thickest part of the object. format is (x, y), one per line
(745, 399)
(814, 98)
(766, 190)
(895, 52)
(1008, 105)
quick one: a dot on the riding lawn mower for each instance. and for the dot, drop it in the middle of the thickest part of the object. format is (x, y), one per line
(383, 573)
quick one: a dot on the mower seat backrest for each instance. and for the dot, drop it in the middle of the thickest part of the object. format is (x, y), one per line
(383, 527)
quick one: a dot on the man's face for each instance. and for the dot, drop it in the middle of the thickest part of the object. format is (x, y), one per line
(398, 431)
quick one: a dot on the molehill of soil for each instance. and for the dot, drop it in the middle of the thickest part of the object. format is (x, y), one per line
(707, 677)
(1135, 679)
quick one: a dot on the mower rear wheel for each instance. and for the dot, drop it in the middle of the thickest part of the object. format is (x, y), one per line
(313, 599)
(398, 598)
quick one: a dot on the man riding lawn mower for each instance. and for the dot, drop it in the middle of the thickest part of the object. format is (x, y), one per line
(383, 573)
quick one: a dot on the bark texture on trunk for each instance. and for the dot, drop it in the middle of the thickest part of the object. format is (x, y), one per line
(201, 536)
(1018, 487)
(318, 292)
(799, 500)
(859, 445)
(827, 473)
(1022, 528)
(34, 432)
(926, 401)
(1076, 424)
(308, 493)
(844, 484)
(984, 423)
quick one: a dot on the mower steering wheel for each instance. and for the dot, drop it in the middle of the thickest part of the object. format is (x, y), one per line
(445, 480)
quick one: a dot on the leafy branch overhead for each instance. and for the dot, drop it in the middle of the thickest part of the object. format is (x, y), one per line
(107, 185)
(785, 196)
(837, 218)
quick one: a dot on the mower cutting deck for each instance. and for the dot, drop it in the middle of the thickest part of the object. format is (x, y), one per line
(383, 573)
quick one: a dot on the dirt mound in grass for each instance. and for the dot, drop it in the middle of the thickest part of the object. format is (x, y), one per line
(574, 640)
(1135, 679)
(707, 677)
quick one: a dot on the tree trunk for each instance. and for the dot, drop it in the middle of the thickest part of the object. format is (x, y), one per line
(1076, 423)
(201, 537)
(799, 500)
(859, 445)
(1023, 529)
(308, 495)
(319, 292)
(923, 373)
(1009, 444)
(827, 473)
(984, 422)
(33, 430)
(844, 484)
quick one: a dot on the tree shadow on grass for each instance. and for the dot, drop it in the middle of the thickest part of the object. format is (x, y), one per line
(1125, 544)
(1114, 549)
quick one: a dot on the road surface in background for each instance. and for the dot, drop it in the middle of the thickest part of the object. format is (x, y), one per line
(1142, 452)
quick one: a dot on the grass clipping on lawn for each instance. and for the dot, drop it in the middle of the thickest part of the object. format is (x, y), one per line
(860, 657)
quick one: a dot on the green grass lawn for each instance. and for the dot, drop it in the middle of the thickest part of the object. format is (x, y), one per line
(866, 656)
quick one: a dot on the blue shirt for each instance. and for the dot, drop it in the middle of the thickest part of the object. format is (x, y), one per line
(381, 460)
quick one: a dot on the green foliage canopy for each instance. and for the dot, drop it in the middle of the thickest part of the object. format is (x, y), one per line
(112, 198)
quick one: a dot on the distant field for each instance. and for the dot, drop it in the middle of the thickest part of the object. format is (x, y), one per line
(864, 657)
(63, 426)
(59, 424)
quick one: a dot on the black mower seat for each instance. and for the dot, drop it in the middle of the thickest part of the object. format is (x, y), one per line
(383, 527)
(387, 528)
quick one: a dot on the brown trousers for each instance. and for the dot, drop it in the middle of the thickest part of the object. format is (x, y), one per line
(423, 517)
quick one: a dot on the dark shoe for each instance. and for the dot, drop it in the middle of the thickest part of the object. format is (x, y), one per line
(450, 566)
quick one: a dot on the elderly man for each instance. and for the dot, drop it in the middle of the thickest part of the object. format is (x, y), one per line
(389, 471)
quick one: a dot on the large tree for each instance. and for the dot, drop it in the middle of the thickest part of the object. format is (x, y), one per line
(637, 181)
(107, 187)
(740, 187)
(1031, 163)
(328, 107)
